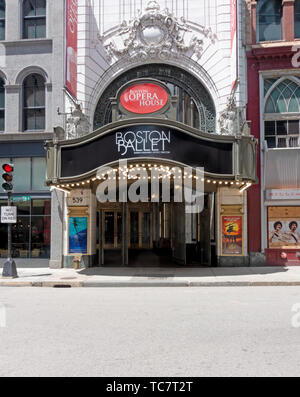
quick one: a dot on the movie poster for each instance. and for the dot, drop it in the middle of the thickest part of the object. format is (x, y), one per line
(284, 227)
(78, 233)
(232, 235)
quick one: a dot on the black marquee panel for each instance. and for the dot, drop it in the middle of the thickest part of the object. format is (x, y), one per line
(147, 141)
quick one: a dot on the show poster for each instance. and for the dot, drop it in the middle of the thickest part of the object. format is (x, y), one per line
(232, 235)
(284, 227)
(78, 233)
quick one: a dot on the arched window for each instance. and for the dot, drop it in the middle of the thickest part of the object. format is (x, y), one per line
(2, 19)
(195, 106)
(281, 114)
(2, 105)
(297, 19)
(269, 20)
(34, 19)
(34, 103)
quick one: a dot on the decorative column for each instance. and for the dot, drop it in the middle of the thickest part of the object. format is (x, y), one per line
(288, 20)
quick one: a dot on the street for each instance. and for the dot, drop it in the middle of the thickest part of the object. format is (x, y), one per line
(215, 331)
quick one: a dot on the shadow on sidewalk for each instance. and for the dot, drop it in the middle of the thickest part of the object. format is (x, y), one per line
(24, 263)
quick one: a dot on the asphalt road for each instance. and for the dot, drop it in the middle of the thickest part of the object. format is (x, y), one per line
(231, 331)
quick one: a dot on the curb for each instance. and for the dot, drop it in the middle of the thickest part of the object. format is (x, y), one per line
(142, 284)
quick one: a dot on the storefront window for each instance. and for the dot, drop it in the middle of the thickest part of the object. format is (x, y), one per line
(269, 20)
(29, 174)
(31, 233)
(38, 173)
(22, 175)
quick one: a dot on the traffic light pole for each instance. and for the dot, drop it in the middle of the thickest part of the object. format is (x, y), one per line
(9, 268)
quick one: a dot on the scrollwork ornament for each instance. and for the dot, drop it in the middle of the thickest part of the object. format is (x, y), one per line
(158, 34)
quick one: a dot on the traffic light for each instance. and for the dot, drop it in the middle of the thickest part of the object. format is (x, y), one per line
(8, 177)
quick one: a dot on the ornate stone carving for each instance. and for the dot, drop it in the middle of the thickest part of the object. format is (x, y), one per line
(77, 124)
(232, 120)
(156, 34)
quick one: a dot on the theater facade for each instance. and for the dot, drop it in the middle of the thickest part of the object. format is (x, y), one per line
(158, 114)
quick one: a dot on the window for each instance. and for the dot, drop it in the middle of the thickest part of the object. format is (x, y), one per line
(34, 19)
(297, 19)
(269, 20)
(2, 19)
(31, 233)
(282, 108)
(34, 103)
(2, 105)
(29, 174)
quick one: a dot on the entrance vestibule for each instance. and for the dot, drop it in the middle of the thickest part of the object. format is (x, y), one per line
(155, 234)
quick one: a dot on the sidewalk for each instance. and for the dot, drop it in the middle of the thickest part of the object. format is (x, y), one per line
(154, 277)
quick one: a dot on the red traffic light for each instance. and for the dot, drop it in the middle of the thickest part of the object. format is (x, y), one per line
(8, 167)
(7, 177)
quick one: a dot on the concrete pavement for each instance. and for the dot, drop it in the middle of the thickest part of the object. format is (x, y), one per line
(246, 331)
(155, 277)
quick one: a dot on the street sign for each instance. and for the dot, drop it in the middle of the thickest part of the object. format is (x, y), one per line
(8, 214)
(20, 199)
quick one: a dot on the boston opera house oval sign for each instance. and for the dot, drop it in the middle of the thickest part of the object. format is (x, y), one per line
(144, 98)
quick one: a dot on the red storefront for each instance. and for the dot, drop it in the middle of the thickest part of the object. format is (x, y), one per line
(271, 55)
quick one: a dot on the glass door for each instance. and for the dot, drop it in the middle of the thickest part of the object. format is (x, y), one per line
(112, 229)
(140, 226)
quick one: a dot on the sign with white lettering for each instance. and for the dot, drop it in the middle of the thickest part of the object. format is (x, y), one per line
(144, 98)
(283, 194)
(143, 142)
(8, 214)
(147, 141)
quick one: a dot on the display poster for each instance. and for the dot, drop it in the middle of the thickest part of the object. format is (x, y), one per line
(78, 234)
(284, 227)
(232, 235)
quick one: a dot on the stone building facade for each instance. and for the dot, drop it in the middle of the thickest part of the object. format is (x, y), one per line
(192, 51)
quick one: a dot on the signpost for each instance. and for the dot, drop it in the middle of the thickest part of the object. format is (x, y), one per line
(9, 216)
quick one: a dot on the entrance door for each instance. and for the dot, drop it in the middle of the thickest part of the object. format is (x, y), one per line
(179, 238)
(112, 229)
(140, 229)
